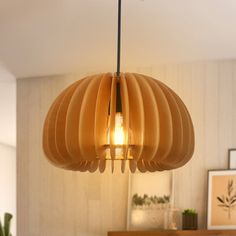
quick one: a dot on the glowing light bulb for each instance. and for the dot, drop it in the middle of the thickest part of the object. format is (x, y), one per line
(119, 131)
(118, 136)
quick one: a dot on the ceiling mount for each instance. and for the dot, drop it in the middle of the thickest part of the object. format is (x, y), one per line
(118, 38)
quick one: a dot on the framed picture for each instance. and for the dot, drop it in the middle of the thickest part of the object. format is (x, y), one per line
(221, 212)
(232, 158)
(150, 195)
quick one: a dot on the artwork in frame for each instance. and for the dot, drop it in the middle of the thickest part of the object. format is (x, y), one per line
(221, 212)
(150, 196)
(232, 158)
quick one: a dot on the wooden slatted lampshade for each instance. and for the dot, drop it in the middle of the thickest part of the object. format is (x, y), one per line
(85, 128)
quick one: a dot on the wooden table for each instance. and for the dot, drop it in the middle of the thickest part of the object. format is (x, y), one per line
(174, 233)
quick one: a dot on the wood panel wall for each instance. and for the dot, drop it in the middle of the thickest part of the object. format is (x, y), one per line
(55, 202)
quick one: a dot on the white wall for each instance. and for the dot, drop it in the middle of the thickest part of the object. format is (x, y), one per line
(8, 145)
(8, 182)
(7, 107)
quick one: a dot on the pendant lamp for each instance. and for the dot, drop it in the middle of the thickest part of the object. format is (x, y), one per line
(125, 117)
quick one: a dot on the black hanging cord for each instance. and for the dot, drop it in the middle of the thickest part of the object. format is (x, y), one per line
(118, 38)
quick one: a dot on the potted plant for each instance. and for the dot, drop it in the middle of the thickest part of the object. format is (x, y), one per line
(189, 219)
(5, 228)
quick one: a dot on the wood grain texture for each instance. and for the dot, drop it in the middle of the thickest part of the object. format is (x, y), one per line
(125, 110)
(175, 233)
(70, 133)
(51, 201)
(101, 120)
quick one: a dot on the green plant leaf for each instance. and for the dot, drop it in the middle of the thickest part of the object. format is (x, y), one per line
(1, 229)
(189, 212)
(7, 223)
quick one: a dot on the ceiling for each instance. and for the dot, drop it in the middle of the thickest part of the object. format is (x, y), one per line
(61, 36)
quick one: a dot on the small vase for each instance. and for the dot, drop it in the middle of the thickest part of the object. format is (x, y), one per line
(172, 219)
(190, 221)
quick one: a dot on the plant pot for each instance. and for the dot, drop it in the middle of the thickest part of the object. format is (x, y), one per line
(189, 221)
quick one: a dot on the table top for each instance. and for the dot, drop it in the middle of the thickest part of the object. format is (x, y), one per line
(173, 233)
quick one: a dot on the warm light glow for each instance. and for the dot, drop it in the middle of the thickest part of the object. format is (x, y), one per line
(131, 118)
(119, 130)
(119, 137)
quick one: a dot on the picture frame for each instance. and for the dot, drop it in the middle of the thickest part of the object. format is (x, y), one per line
(221, 200)
(232, 159)
(157, 187)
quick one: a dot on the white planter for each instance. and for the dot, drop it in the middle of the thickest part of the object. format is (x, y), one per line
(148, 217)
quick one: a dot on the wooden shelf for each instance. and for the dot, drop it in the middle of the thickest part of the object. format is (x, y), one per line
(174, 233)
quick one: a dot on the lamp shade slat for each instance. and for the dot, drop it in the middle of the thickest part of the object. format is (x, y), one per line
(151, 166)
(87, 120)
(188, 131)
(125, 112)
(102, 165)
(101, 119)
(72, 122)
(112, 121)
(93, 166)
(141, 166)
(151, 121)
(177, 122)
(49, 140)
(60, 124)
(101, 115)
(165, 121)
(136, 116)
